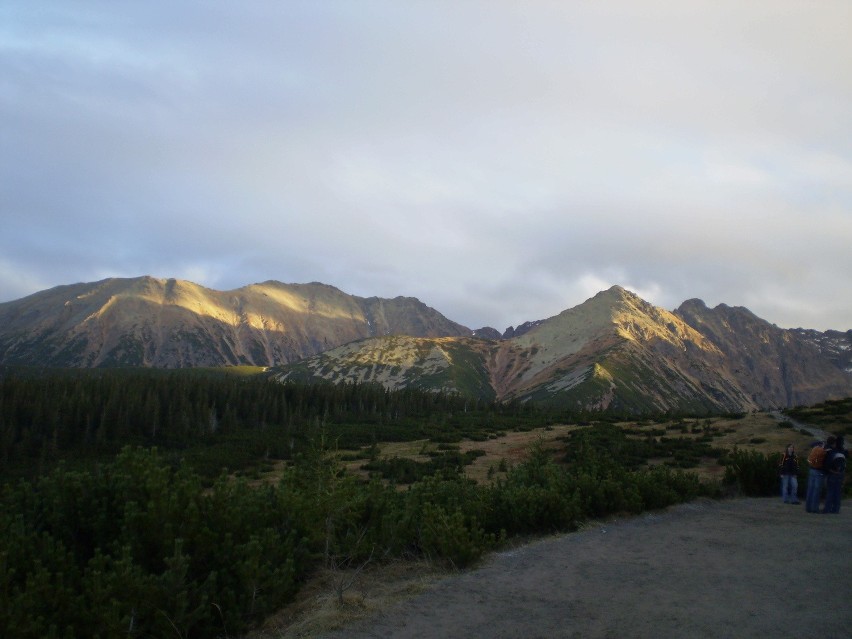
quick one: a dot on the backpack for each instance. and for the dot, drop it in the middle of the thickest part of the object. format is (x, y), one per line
(836, 463)
(817, 457)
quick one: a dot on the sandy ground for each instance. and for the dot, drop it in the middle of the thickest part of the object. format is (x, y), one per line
(739, 568)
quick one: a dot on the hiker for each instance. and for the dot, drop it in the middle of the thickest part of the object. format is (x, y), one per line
(816, 476)
(789, 471)
(834, 468)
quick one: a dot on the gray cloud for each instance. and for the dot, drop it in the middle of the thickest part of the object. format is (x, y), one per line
(500, 162)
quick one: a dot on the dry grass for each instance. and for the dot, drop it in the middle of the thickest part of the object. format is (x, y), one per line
(756, 431)
(757, 426)
(513, 447)
(316, 609)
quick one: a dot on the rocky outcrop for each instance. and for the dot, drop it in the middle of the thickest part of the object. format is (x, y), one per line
(835, 346)
(513, 331)
(487, 332)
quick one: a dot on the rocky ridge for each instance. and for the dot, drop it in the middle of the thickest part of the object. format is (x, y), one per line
(172, 323)
(613, 352)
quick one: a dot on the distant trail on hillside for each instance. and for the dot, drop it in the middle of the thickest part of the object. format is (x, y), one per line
(736, 568)
(813, 430)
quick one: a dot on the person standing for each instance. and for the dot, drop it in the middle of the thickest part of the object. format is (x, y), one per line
(816, 476)
(834, 467)
(789, 470)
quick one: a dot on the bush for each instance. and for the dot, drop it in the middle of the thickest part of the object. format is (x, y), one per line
(660, 487)
(144, 544)
(518, 509)
(452, 536)
(754, 473)
(134, 544)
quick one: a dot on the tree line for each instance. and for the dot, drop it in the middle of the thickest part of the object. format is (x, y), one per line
(44, 417)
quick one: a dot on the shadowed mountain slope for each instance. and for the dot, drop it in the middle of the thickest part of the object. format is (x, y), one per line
(775, 366)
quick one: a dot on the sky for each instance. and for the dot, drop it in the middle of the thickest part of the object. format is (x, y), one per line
(500, 161)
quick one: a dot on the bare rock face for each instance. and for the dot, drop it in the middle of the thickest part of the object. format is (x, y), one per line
(172, 323)
(487, 332)
(526, 327)
(776, 367)
(835, 346)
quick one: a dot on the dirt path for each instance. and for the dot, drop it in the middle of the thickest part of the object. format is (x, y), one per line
(740, 568)
(813, 430)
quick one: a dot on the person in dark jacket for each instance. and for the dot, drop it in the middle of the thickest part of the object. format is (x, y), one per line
(835, 470)
(789, 470)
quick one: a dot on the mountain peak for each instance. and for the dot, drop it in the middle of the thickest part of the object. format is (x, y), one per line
(693, 304)
(614, 302)
(615, 291)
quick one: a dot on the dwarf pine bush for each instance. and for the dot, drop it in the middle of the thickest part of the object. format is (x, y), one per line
(141, 547)
(754, 473)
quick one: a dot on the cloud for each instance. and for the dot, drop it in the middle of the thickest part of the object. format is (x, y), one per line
(496, 161)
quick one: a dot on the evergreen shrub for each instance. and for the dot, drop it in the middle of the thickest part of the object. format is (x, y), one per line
(752, 472)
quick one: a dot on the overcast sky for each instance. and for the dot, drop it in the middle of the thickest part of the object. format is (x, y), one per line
(500, 161)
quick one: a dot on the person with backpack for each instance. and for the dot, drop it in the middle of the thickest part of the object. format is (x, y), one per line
(789, 471)
(816, 476)
(834, 468)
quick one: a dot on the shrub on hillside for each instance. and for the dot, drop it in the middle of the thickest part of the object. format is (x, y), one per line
(142, 545)
(136, 546)
(452, 535)
(752, 472)
(440, 517)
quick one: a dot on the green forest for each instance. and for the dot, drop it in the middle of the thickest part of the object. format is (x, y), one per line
(217, 418)
(121, 514)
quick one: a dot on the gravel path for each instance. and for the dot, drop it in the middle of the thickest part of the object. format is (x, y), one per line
(739, 568)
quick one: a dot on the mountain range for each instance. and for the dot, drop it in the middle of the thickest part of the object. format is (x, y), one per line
(615, 351)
